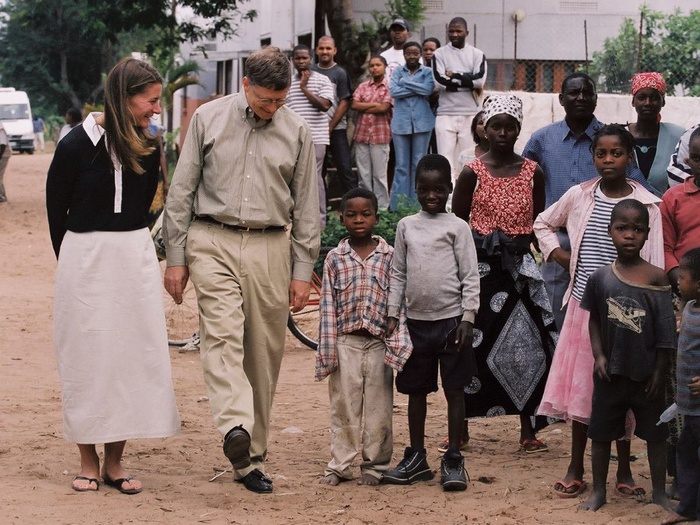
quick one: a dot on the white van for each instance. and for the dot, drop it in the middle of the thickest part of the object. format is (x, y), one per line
(16, 117)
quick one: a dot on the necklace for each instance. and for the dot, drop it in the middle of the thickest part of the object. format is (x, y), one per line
(644, 149)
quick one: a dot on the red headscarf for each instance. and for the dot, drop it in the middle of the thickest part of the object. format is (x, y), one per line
(648, 80)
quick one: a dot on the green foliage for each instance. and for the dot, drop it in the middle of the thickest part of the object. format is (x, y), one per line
(59, 51)
(670, 44)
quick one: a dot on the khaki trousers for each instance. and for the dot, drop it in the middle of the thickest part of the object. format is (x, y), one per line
(362, 383)
(242, 283)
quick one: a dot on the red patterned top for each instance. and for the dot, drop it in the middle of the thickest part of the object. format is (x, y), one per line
(503, 203)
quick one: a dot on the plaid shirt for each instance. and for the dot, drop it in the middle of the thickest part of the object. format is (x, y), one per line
(355, 296)
(373, 128)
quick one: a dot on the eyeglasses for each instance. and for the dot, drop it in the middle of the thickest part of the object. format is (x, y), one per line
(279, 102)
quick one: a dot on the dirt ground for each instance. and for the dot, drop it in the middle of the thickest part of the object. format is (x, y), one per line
(37, 464)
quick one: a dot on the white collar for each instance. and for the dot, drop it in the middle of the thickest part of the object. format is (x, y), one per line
(92, 128)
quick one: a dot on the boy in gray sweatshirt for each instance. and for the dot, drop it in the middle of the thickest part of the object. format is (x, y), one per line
(435, 270)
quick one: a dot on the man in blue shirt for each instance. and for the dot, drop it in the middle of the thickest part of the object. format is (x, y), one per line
(563, 151)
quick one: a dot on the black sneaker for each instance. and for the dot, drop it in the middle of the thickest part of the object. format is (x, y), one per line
(452, 475)
(412, 468)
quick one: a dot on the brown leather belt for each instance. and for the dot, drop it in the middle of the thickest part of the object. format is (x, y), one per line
(206, 218)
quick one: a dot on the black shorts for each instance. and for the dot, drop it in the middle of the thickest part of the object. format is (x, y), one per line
(612, 400)
(433, 344)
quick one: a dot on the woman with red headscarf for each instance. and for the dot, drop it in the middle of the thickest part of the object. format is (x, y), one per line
(654, 140)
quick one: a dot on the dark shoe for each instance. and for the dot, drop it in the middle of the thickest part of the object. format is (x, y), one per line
(237, 447)
(256, 481)
(412, 468)
(452, 476)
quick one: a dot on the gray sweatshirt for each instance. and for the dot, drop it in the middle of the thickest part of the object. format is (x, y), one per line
(434, 268)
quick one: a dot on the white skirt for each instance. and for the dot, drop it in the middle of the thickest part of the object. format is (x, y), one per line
(110, 339)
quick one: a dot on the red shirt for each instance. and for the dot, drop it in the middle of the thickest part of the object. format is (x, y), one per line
(373, 128)
(680, 221)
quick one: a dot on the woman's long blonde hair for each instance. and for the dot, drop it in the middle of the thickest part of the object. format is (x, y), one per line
(125, 140)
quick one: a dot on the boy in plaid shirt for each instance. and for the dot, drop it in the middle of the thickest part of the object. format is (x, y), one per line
(352, 349)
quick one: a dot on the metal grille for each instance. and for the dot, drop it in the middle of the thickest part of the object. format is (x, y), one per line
(433, 5)
(578, 7)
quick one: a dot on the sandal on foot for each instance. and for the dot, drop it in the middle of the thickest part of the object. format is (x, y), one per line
(533, 446)
(119, 484)
(581, 486)
(445, 444)
(624, 490)
(89, 485)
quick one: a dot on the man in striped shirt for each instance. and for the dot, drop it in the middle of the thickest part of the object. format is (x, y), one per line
(311, 96)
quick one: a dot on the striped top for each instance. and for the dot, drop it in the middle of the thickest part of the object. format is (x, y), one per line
(688, 362)
(596, 246)
(321, 86)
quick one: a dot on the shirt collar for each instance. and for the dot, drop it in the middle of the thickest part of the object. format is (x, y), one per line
(93, 129)
(594, 125)
(245, 112)
(382, 246)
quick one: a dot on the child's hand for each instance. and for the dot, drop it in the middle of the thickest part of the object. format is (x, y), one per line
(655, 386)
(465, 336)
(391, 324)
(601, 365)
(694, 386)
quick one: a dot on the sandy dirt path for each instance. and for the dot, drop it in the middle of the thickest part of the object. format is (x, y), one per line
(37, 465)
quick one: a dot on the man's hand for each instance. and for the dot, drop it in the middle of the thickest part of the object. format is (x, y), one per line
(298, 294)
(464, 336)
(175, 281)
(304, 78)
(391, 324)
(601, 367)
(694, 386)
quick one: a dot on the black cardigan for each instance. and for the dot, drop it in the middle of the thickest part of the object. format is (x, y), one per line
(80, 189)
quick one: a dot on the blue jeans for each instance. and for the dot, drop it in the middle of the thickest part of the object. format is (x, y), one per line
(409, 150)
(340, 148)
(688, 467)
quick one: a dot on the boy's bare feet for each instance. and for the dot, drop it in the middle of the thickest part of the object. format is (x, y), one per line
(330, 479)
(674, 517)
(368, 479)
(596, 500)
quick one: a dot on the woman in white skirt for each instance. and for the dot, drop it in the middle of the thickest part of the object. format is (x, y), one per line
(109, 325)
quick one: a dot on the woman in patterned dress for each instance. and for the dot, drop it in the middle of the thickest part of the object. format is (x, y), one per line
(500, 194)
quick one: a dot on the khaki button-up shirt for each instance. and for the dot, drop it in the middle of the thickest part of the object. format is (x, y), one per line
(246, 172)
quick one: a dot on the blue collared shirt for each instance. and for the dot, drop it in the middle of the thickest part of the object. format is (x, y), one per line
(412, 113)
(567, 160)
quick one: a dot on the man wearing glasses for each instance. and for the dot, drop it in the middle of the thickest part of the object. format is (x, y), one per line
(246, 172)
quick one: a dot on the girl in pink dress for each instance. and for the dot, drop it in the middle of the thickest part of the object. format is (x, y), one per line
(585, 211)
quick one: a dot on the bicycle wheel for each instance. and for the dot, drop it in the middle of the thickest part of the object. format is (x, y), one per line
(304, 325)
(182, 320)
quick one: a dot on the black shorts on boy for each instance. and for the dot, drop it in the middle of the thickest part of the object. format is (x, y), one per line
(433, 345)
(611, 401)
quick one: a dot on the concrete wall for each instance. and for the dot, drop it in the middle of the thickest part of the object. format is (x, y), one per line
(541, 109)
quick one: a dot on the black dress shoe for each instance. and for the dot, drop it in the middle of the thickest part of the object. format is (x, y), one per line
(237, 447)
(256, 481)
